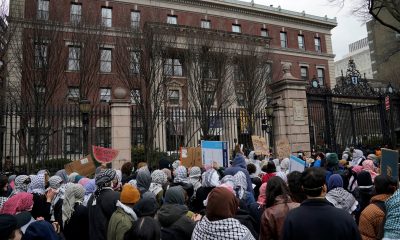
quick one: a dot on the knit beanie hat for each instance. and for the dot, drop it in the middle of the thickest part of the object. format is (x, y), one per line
(129, 194)
(332, 159)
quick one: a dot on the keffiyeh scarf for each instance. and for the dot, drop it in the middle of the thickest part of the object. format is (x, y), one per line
(340, 198)
(20, 185)
(158, 178)
(228, 228)
(37, 184)
(240, 184)
(180, 175)
(74, 193)
(102, 180)
(210, 178)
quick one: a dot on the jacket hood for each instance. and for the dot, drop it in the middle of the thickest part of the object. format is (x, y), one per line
(143, 180)
(170, 213)
(239, 161)
(127, 210)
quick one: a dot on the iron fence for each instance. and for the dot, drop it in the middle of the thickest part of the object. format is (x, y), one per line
(161, 135)
(33, 139)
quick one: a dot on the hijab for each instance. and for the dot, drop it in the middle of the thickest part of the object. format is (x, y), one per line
(20, 202)
(210, 178)
(143, 180)
(74, 193)
(55, 182)
(221, 204)
(335, 181)
(368, 165)
(20, 184)
(37, 184)
(240, 184)
(262, 197)
(175, 195)
(63, 175)
(103, 179)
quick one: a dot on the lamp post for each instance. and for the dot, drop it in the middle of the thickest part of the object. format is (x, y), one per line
(84, 108)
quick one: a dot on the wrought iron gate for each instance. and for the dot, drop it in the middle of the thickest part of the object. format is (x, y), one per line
(352, 114)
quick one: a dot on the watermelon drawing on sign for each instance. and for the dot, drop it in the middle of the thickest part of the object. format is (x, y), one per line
(104, 155)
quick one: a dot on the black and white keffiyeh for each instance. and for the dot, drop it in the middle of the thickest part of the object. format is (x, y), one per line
(102, 181)
(240, 184)
(21, 184)
(228, 228)
(158, 178)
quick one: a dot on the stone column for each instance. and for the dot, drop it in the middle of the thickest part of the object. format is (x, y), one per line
(291, 130)
(121, 127)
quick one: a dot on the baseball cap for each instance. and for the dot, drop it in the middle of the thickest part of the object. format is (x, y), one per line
(9, 223)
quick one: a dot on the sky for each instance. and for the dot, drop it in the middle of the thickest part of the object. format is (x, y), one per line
(348, 30)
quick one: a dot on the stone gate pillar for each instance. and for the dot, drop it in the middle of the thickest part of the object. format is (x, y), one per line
(291, 130)
(121, 126)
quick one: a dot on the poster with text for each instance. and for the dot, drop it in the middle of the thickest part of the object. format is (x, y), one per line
(214, 152)
(390, 163)
(260, 145)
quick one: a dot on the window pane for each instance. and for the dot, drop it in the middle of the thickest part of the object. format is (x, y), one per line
(40, 55)
(105, 60)
(172, 20)
(300, 40)
(304, 73)
(75, 16)
(105, 95)
(236, 28)
(73, 94)
(73, 58)
(174, 97)
(135, 19)
(106, 17)
(317, 42)
(283, 40)
(264, 33)
(43, 10)
(321, 76)
(135, 96)
(205, 24)
(134, 64)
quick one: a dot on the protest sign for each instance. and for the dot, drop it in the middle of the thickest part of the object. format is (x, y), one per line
(296, 164)
(84, 166)
(390, 163)
(283, 148)
(260, 145)
(214, 151)
(191, 156)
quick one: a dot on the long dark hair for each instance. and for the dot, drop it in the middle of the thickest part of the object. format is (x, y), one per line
(275, 187)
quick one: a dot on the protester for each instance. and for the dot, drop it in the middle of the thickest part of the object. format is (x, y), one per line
(21, 184)
(102, 205)
(296, 192)
(126, 171)
(240, 188)
(392, 218)
(372, 217)
(285, 165)
(4, 193)
(10, 226)
(363, 192)
(75, 216)
(90, 188)
(146, 228)
(20, 202)
(256, 209)
(270, 171)
(173, 216)
(143, 181)
(368, 166)
(158, 179)
(239, 164)
(255, 179)
(195, 178)
(122, 219)
(253, 159)
(55, 183)
(219, 222)
(277, 204)
(210, 180)
(42, 199)
(357, 157)
(40, 230)
(327, 221)
(338, 196)
(181, 179)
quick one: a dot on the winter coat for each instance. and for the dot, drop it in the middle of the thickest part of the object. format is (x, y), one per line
(201, 195)
(318, 219)
(363, 197)
(77, 227)
(248, 221)
(371, 218)
(273, 218)
(256, 210)
(100, 213)
(239, 164)
(120, 222)
(175, 224)
(41, 208)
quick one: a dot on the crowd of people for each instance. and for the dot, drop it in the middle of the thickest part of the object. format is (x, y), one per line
(253, 198)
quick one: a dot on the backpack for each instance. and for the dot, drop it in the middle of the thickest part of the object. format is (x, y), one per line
(381, 205)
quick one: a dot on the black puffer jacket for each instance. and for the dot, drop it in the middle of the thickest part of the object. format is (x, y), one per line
(175, 224)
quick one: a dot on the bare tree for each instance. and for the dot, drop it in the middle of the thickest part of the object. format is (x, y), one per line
(140, 58)
(386, 12)
(252, 77)
(209, 72)
(36, 59)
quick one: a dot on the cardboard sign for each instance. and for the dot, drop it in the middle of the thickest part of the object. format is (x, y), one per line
(390, 163)
(214, 151)
(84, 166)
(283, 148)
(191, 157)
(260, 145)
(296, 164)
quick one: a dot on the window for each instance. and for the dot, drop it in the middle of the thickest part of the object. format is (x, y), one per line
(72, 140)
(173, 67)
(135, 96)
(105, 94)
(73, 94)
(300, 40)
(321, 76)
(172, 19)
(39, 94)
(134, 66)
(43, 10)
(173, 97)
(40, 55)
(317, 43)
(283, 36)
(105, 60)
(76, 13)
(103, 136)
(106, 17)
(73, 58)
(135, 19)
(264, 32)
(241, 99)
(304, 73)
(209, 97)
(206, 24)
(236, 28)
